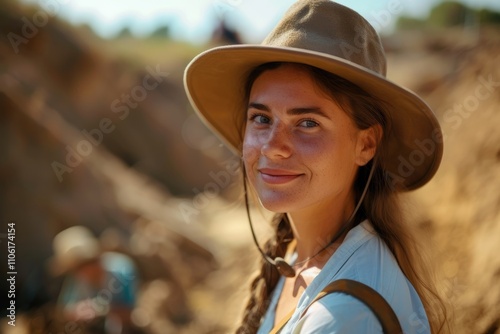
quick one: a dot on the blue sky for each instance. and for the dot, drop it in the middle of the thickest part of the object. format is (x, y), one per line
(193, 19)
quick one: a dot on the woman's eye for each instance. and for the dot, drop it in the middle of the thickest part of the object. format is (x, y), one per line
(309, 123)
(261, 119)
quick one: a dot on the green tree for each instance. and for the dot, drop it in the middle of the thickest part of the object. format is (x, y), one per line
(487, 16)
(449, 14)
(409, 23)
(161, 32)
(124, 33)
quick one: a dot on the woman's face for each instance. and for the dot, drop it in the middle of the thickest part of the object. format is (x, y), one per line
(300, 149)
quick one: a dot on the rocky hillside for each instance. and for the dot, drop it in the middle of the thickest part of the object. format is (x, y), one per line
(458, 74)
(93, 140)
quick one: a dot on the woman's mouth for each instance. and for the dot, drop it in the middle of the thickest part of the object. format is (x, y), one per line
(278, 176)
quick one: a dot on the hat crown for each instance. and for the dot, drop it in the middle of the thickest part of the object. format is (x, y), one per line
(327, 27)
(75, 243)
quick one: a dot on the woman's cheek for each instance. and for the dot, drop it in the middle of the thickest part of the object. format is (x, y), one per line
(251, 147)
(250, 154)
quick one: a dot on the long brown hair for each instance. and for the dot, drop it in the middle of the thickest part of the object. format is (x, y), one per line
(381, 206)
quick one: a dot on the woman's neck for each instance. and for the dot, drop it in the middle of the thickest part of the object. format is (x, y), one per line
(315, 227)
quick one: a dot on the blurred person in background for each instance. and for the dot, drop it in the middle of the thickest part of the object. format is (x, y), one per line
(98, 292)
(327, 143)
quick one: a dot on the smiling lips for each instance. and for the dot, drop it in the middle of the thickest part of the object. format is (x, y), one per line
(277, 176)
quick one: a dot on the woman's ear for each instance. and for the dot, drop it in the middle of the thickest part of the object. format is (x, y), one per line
(368, 140)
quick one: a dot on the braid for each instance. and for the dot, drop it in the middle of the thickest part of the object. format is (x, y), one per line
(262, 286)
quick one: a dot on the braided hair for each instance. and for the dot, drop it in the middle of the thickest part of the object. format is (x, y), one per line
(263, 284)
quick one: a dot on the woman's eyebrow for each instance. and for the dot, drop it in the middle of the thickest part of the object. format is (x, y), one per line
(307, 110)
(293, 112)
(258, 106)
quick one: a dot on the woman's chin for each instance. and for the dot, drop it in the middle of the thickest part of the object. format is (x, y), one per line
(276, 205)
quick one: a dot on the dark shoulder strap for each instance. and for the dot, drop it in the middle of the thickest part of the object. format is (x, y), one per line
(371, 298)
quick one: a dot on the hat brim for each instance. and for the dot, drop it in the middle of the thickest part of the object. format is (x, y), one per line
(214, 81)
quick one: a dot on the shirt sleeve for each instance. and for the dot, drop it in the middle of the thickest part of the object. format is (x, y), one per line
(338, 314)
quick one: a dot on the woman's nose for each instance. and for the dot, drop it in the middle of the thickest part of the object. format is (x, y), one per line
(277, 143)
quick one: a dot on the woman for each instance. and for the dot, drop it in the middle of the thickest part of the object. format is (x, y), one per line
(327, 143)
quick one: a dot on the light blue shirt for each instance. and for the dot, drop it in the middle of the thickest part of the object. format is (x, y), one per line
(365, 258)
(117, 289)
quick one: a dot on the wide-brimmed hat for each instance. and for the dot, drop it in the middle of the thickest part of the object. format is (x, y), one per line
(336, 39)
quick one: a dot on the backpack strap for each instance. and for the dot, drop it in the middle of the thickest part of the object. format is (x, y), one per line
(371, 298)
